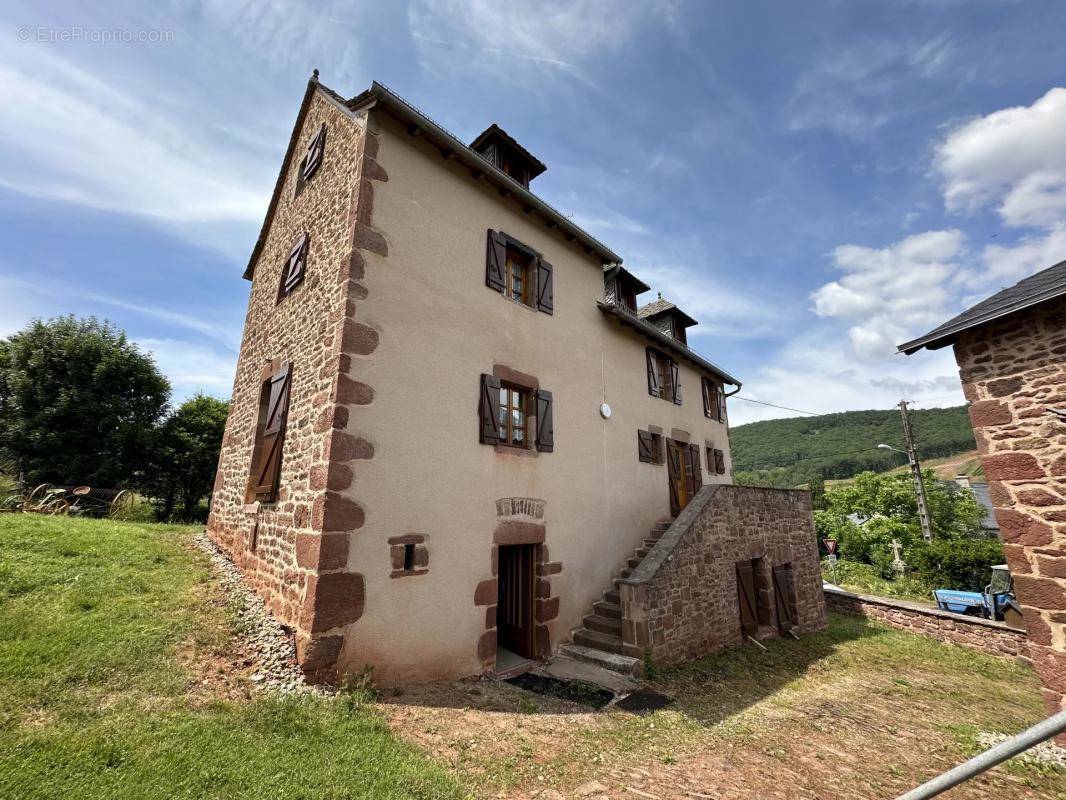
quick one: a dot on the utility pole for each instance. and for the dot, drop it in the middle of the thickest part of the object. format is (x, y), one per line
(916, 472)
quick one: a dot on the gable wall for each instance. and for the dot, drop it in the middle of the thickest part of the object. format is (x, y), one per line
(1012, 371)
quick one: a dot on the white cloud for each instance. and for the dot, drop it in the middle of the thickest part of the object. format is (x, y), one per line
(73, 137)
(887, 293)
(525, 36)
(192, 367)
(1006, 265)
(1014, 156)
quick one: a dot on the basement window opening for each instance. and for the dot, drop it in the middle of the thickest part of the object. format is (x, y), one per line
(408, 557)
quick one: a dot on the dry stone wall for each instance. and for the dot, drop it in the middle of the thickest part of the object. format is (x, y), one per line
(682, 601)
(986, 636)
(1014, 373)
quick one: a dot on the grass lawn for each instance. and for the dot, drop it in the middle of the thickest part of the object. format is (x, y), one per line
(113, 684)
(120, 678)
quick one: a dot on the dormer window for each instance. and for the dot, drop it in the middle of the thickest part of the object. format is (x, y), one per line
(621, 287)
(668, 318)
(507, 155)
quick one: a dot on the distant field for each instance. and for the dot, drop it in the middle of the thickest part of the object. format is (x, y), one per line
(946, 468)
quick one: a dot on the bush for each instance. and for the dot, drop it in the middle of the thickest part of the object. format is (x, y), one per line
(867, 579)
(957, 563)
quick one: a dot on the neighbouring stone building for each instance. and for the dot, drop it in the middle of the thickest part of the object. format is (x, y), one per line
(454, 431)
(1011, 351)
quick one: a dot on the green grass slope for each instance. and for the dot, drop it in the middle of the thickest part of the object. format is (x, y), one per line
(99, 622)
(787, 452)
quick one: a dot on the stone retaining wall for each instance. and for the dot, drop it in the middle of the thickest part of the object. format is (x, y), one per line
(681, 602)
(993, 638)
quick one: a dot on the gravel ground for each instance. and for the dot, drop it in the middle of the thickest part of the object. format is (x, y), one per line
(271, 645)
(1043, 753)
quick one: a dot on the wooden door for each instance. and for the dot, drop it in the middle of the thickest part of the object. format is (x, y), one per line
(749, 620)
(514, 610)
(679, 472)
(784, 597)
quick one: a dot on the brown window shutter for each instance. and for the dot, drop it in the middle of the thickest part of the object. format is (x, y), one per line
(749, 623)
(268, 468)
(545, 429)
(315, 150)
(646, 447)
(719, 462)
(707, 399)
(673, 469)
(720, 396)
(545, 289)
(697, 473)
(653, 375)
(784, 597)
(496, 262)
(489, 409)
(675, 378)
(295, 266)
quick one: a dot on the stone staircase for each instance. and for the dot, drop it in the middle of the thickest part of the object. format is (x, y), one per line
(599, 639)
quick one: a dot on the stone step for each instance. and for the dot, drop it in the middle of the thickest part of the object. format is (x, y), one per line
(626, 572)
(612, 596)
(633, 562)
(608, 643)
(640, 552)
(609, 625)
(624, 665)
(605, 609)
(650, 543)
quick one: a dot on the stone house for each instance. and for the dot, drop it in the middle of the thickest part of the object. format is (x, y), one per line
(1011, 352)
(454, 431)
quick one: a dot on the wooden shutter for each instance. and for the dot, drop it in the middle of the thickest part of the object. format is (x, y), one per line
(315, 149)
(675, 379)
(489, 409)
(673, 468)
(720, 398)
(268, 466)
(646, 447)
(719, 462)
(545, 431)
(697, 474)
(545, 290)
(707, 399)
(294, 266)
(496, 262)
(654, 389)
(784, 597)
(749, 623)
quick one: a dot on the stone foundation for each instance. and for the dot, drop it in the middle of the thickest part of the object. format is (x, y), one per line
(682, 601)
(985, 636)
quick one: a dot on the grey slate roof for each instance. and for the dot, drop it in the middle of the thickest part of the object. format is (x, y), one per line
(1045, 285)
(981, 494)
(656, 307)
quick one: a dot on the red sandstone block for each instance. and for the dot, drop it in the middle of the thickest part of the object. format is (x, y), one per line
(1051, 566)
(1050, 665)
(486, 646)
(1018, 528)
(1044, 593)
(1011, 467)
(985, 413)
(334, 512)
(1036, 625)
(486, 593)
(333, 599)
(1039, 497)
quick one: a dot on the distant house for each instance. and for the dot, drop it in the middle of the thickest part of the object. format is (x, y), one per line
(1011, 351)
(455, 432)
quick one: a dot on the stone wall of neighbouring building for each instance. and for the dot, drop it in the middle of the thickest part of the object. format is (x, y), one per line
(1013, 372)
(987, 636)
(682, 601)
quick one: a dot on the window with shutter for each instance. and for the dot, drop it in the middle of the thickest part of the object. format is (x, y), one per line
(292, 274)
(519, 273)
(675, 382)
(646, 447)
(720, 397)
(654, 387)
(270, 435)
(663, 376)
(719, 462)
(545, 431)
(711, 399)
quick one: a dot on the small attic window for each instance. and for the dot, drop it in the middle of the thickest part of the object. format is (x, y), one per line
(507, 155)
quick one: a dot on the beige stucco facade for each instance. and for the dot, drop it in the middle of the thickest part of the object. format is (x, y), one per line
(389, 418)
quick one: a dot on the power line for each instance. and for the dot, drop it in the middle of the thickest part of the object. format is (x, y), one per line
(783, 408)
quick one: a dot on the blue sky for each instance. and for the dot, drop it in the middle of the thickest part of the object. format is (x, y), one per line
(815, 182)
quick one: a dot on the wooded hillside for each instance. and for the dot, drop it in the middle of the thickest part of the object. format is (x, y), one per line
(789, 452)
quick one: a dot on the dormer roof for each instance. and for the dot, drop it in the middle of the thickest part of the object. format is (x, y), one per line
(658, 307)
(495, 139)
